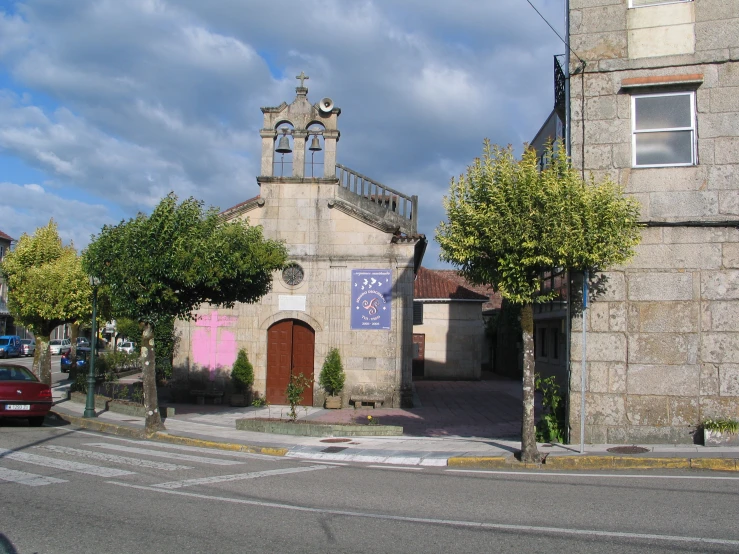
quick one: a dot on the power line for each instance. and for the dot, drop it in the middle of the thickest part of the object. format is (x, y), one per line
(555, 31)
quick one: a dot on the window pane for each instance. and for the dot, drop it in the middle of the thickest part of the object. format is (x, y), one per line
(674, 147)
(662, 112)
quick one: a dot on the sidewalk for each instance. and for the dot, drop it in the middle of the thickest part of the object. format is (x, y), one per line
(425, 443)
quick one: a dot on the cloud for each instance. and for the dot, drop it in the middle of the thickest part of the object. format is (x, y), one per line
(117, 103)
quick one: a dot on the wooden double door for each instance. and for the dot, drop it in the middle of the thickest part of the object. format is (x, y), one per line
(290, 350)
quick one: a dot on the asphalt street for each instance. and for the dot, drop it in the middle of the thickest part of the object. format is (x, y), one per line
(67, 490)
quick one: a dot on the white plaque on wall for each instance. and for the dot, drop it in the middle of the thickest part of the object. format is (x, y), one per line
(292, 302)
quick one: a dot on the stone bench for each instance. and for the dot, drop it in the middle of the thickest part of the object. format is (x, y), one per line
(201, 395)
(360, 399)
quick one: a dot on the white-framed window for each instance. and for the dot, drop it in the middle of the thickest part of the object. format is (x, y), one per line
(417, 313)
(663, 129)
(644, 3)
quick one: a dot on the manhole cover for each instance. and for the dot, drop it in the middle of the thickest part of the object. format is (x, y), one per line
(628, 450)
(333, 449)
(336, 440)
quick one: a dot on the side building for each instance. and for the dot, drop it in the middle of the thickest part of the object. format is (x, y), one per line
(6, 320)
(655, 107)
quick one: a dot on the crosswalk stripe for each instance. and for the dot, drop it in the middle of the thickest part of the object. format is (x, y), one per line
(170, 455)
(236, 477)
(29, 479)
(113, 458)
(62, 464)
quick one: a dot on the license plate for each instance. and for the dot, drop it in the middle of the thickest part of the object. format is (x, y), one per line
(19, 407)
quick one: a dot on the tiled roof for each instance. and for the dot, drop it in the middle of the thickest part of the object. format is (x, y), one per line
(494, 299)
(6, 237)
(434, 284)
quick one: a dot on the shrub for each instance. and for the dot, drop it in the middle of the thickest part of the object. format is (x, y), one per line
(551, 426)
(332, 375)
(298, 383)
(721, 425)
(242, 373)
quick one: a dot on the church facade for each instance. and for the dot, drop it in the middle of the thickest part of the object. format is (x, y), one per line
(353, 254)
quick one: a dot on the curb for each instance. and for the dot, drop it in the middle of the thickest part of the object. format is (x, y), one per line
(130, 432)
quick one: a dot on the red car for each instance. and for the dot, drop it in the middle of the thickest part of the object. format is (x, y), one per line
(23, 395)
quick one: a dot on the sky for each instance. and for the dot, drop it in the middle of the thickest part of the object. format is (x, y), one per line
(106, 106)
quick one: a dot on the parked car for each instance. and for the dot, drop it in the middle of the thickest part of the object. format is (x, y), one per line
(22, 395)
(83, 341)
(83, 354)
(10, 345)
(128, 347)
(60, 346)
(28, 347)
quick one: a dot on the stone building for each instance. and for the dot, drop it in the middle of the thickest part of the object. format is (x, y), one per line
(6, 320)
(655, 107)
(354, 251)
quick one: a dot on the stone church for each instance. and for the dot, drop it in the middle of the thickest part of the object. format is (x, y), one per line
(353, 253)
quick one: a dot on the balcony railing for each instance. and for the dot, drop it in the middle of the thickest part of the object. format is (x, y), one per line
(402, 205)
(559, 84)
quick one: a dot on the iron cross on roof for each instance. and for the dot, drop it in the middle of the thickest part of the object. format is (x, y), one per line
(302, 78)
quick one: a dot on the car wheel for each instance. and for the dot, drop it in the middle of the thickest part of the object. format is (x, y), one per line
(37, 421)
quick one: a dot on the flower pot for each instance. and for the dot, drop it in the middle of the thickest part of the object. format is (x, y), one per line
(333, 402)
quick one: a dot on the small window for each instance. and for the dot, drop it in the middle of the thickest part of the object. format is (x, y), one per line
(644, 3)
(663, 128)
(2, 252)
(543, 350)
(417, 313)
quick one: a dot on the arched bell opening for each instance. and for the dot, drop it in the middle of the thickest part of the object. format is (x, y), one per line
(284, 143)
(314, 148)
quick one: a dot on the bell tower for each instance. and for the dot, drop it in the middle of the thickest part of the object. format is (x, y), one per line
(288, 128)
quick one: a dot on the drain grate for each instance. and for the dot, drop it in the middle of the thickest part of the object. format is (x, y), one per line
(628, 450)
(333, 449)
(336, 440)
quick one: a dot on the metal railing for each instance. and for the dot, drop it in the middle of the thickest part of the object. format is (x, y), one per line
(401, 204)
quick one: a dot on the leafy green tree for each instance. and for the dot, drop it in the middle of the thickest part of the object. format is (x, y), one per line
(166, 265)
(127, 328)
(332, 374)
(47, 287)
(242, 372)
(508, 222)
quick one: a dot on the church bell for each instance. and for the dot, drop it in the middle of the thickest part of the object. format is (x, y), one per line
(283, 146)
(315, 145)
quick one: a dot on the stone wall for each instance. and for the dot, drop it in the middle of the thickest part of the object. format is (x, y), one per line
(454, 340)
(663, 337)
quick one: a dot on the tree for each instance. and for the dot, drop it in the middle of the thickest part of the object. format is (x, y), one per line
(332, 373)
(47, 287)
(166, 265)
(242, 372)
(508, 222)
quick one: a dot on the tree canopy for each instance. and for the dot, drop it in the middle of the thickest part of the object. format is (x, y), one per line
(510, 220)
(169, 263)
(47, 287)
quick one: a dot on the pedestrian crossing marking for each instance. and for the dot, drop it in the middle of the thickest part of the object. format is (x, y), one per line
(237, 477)
(30, 479)
(113, 458)
(65, 465)
(160, 454)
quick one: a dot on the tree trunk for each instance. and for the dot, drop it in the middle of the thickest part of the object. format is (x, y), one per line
(151, 403)
(42, 359)
(529, 452)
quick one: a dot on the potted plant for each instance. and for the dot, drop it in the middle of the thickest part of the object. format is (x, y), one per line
(242, 377)
(332, 379)
(721, 432)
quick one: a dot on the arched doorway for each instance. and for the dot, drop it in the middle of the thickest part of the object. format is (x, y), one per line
(290, 348)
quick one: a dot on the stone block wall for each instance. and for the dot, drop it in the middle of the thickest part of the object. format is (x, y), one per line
(663, 336)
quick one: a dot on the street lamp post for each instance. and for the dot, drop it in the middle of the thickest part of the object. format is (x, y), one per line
(90, 404)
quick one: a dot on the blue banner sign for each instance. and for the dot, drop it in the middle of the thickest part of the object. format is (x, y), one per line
(372, 291)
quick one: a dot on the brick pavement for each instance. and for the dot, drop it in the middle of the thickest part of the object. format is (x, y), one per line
(489, 408)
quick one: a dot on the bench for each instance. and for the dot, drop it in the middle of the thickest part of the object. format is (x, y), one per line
(360, 399)
(201, 395)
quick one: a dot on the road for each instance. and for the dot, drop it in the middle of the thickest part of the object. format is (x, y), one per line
(67, 490)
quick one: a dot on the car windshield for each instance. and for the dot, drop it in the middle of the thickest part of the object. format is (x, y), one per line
(4, 342)
(54, 342)
(15, 373)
